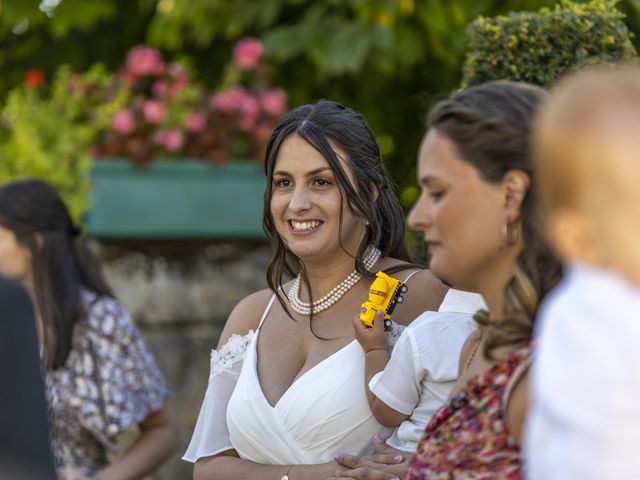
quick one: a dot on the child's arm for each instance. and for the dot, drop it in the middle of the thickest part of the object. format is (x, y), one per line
(374, 343)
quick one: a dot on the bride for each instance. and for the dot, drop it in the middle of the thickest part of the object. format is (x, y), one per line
(286, 389)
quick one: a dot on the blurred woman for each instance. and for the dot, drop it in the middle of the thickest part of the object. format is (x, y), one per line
(99, 376)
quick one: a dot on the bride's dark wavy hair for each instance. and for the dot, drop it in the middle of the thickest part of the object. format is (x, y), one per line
(324, 124)
(490, 126)
(61, 261)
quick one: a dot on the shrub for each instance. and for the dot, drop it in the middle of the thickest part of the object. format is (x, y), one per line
(538, 47)
(46, 130)
(167, 114)
(49, 129)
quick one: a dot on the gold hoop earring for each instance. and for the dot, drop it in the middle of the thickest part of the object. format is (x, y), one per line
(510, 232)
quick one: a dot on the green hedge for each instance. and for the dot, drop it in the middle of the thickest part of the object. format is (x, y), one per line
(47, 132)
(537, 47)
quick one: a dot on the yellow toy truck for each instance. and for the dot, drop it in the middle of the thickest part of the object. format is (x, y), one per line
(384, 294)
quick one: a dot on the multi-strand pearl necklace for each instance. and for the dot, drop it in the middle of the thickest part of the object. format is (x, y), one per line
(331, 298)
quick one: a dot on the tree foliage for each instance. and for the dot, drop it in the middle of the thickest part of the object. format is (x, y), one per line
(389, 59)
(48, 135)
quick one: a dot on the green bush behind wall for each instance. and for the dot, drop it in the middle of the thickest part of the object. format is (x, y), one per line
(537, 47)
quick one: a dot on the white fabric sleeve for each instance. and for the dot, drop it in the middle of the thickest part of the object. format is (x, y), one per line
(398, 385)
(211, 434)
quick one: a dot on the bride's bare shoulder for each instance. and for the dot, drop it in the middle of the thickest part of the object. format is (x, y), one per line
(246, 314)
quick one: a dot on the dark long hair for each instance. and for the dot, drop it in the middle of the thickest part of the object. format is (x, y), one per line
(61, 261)
(324, 124)
(490, 126)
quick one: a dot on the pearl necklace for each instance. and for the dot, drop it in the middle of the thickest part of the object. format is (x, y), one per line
(331, 298)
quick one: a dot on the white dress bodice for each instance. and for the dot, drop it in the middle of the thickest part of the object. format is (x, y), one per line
(324, 412)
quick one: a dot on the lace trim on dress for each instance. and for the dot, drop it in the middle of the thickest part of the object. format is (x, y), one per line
(235, 349)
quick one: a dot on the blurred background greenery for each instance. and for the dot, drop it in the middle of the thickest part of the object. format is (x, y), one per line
(389, 59)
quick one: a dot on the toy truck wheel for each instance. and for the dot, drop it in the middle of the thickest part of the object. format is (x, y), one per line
(400, 299)
(404, 289)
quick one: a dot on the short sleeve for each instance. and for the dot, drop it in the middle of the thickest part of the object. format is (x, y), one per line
(424, 361)
(128, 381)
(398, 385)
(211, 434)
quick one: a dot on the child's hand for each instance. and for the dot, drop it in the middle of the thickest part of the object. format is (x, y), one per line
(371, 338)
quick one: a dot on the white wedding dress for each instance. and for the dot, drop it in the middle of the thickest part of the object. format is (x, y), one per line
(325, 411)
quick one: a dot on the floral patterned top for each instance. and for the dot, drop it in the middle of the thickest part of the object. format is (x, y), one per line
(469, 437)
(110, 381)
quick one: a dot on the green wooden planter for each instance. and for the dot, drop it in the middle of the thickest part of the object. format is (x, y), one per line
(176, 199)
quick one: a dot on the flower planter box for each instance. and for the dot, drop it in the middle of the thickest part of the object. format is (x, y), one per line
(176, 199)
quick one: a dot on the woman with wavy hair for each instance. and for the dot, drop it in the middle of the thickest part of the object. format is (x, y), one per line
(100, 378)
(477, 214)
(286, 389)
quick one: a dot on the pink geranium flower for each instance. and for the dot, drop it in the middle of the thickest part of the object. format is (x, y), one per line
(273, 101)
(231, 101)
(172, 139)
(247, 53)
(160, 88)
(178, 84)
(249, 113)
(124, 122)
(154, 111)
(195, 122)
(238, 100)
(142, 60)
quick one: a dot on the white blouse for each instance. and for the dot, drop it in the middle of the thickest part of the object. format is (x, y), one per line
(421, 372)
(424, 365)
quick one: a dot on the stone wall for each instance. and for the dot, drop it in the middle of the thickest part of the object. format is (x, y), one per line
(180, 298)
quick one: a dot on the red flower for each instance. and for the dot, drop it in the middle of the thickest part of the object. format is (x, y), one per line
(33, 78)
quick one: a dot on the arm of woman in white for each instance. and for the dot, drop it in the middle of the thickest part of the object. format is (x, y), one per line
(210, 448)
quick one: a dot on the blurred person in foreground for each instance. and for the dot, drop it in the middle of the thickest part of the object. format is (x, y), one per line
(585, 414)
(99, 376)
(24, 434)
(477, 213)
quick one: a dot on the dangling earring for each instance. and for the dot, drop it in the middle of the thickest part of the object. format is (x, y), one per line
(510, 232)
